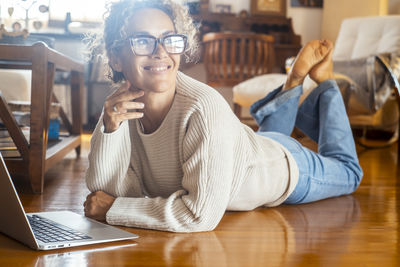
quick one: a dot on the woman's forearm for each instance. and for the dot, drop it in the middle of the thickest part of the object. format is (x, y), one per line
(109, 158)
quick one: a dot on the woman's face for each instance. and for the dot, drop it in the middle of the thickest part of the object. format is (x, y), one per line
(156, 72)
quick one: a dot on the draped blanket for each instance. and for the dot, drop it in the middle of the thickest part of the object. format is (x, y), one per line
(368, 82)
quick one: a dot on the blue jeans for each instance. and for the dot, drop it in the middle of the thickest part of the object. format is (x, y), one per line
(334, 170)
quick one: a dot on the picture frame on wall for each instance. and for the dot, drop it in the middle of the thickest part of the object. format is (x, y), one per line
(268, 7)
(220, 8)
(307, 3)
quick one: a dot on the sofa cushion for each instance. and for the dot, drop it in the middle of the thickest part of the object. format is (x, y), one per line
(249, 91)
(15, 84)
(365, 36)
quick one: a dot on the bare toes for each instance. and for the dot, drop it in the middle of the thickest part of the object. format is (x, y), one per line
(311, 55)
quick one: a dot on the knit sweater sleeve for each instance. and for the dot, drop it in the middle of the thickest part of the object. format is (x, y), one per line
(109, 162)
(206, 185)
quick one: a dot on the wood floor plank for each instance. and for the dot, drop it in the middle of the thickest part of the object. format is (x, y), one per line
(361, 229)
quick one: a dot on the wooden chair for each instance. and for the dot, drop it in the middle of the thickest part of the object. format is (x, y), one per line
(231, 58)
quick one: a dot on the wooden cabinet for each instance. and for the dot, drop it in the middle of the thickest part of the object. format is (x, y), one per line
(36, 157)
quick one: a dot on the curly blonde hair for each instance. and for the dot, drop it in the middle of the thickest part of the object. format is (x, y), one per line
(116, 20)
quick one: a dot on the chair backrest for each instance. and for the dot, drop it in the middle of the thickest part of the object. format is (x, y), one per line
(231, 58)
(365, 36)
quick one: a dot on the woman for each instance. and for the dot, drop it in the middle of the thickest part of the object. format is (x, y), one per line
(169, 154)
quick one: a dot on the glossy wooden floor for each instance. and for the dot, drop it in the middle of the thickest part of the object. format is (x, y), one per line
(357, 230)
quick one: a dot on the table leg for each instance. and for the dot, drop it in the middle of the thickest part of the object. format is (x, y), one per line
(77, 84)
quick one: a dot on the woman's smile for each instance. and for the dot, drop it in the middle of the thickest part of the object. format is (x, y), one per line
(157, 68)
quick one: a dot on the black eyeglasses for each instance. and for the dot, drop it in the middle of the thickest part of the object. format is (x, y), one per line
(146, 45)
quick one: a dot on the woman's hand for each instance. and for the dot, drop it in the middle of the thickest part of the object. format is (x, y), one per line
(120, 106)
(97, 204)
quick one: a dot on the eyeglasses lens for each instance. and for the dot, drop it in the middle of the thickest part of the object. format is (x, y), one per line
(145, 45)
(174, 44)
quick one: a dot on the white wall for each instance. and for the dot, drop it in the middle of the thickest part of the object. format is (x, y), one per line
(306, 22)
(336, 10)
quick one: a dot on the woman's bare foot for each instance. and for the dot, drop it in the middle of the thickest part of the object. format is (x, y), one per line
(309, 56)
(324, 70)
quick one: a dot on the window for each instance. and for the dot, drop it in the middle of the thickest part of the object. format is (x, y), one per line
(81, 10)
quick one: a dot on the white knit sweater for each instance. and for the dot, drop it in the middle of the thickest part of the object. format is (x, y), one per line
(199, 163)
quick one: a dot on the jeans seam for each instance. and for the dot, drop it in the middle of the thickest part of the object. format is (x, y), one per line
(317, 181)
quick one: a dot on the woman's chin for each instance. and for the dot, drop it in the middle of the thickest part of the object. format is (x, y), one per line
(157, 83)
(160, 87)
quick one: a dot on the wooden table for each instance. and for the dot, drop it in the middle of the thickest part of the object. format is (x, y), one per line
(36, 158)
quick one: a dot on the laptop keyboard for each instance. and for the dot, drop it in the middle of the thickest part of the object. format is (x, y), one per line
(49, 231)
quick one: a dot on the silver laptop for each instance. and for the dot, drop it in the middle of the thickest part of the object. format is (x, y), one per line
(49, 230)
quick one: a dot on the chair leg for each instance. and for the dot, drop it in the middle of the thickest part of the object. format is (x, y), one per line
(397, 93)
(398, 133)
(237, 109)
(398, 141)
